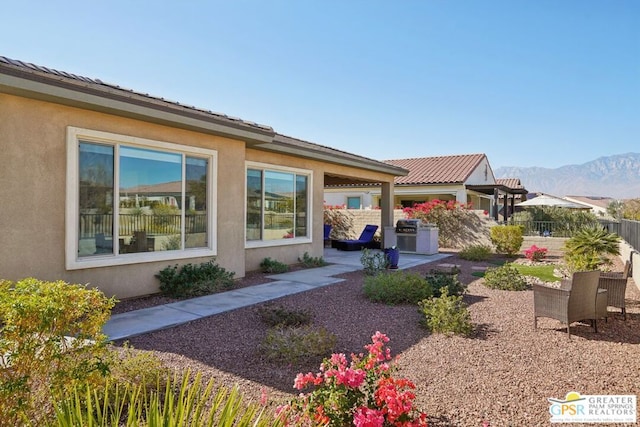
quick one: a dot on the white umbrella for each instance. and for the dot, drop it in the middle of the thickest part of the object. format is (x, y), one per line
(546, 200)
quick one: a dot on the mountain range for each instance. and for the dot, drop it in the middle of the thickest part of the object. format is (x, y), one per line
(615, 176)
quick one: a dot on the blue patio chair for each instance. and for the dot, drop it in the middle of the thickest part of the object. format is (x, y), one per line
(365, 238)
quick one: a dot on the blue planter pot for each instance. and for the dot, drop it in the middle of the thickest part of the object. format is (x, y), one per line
(393, 256)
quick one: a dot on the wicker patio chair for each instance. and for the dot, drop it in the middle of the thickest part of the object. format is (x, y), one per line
(577, 299)
(616, 286)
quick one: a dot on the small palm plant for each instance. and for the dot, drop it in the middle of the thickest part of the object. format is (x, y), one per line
(590, 249)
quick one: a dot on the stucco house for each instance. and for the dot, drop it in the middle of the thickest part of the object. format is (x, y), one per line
(466, 178)
(107, 186)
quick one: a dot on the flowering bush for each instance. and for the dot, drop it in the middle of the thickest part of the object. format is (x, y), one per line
(448, 216)
(535, 253)
(361, 393)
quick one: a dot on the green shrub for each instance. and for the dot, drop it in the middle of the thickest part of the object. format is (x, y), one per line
(397, 288)
(272, 266)
(290, 344)
(590, 248)
(506, 278)
(476, 253)
(185, 400)
(308, 261)
(51, 339)
(507, 238)
(280, 316)
(440, 281)
(136, 367)
(446, 314)
(194, 280)
(373, 262)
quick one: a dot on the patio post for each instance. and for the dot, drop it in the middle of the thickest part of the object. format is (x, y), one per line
(386, 214)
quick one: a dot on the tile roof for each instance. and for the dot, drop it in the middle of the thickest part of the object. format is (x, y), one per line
(509, 182)
(105, 90)
(437, 170)
(328, 153)
(87, 83)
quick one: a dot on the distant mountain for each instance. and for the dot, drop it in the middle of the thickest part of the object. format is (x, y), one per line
(614, 176)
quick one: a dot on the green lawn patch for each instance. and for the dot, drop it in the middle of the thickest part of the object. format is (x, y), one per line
(543, 272)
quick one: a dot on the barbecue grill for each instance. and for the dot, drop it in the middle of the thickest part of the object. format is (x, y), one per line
(412, 235)
(407, 226)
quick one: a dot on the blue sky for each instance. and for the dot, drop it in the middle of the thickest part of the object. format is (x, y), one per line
(529, 83)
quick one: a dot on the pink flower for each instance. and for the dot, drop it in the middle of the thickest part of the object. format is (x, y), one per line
(366, 417)
(301, 380)
(361, 392)
(351, 377)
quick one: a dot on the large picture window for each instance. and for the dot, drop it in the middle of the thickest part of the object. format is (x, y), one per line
(277, 204)
(131, 200)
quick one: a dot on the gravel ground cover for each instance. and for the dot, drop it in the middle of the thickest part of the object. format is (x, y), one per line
(502, 374)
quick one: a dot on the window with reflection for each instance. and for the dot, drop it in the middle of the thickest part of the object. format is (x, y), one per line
(138, 199)
(277, 204)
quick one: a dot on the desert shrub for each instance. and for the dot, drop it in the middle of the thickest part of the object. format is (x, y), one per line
(373, 262)
(476, 253)
(192, 280)
(440, 281)
(446, 314)
(291, 344)
(275, 315)
(507, 238)
(136, 367)
(506, 278)
(269, 265)
(590, 249)
(397, 288)
(308, 261)
(51, 340)
(185, 400)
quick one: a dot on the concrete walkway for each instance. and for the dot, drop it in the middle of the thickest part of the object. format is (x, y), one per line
(138, 322)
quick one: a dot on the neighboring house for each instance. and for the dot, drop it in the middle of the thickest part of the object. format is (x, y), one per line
(464, 178)
(515, 194)
(597, 204)
(92, 173)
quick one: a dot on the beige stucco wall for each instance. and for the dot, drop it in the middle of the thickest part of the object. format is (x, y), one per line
(32, 190)
(33, 138)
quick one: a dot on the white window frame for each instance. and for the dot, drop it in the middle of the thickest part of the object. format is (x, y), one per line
(72, 261)
(279, 242)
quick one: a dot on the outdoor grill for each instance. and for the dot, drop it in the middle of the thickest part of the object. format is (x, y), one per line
(407, 226)
(414, 236)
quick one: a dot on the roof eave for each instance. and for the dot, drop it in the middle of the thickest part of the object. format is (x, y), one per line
(122, 103)
(335, 157)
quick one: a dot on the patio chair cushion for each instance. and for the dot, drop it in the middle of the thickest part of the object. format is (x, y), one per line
(365, 238)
